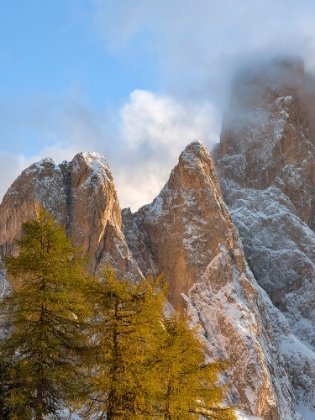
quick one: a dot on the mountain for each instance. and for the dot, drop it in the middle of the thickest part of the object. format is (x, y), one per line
(265, 161)
(240, 263)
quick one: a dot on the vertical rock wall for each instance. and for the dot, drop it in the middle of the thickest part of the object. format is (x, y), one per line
(188, 234)
(265, 160)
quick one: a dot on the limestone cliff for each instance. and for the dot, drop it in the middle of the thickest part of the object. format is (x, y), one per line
(266, 165)
(268, 133)
(187, 233)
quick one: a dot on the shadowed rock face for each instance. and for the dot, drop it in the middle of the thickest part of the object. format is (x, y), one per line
(82, 196)
(187, 233)
(266, 165)
(267, 139)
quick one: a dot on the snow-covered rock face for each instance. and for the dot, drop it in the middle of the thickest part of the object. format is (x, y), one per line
(82, 196)
(266, 165)
(187, 233)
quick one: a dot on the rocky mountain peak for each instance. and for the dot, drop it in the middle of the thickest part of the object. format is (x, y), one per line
(176, 221)
(82, 196)
(187, 233)
(266, 162)
(266, 165)
(196, 155)
(93, 165)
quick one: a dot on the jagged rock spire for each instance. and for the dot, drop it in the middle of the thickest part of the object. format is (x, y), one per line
(82, 196)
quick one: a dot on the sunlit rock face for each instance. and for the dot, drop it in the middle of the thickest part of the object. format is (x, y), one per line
(265, 161)
(82, 196)
(187, 233)
(174, 224)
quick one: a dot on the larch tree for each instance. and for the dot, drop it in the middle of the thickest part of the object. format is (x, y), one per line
(189, 386)
(45, 313)
(105, 344)
(4, 384)
(127, 329)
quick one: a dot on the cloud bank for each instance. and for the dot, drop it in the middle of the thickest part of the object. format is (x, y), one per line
(200, 44)
(154, 130)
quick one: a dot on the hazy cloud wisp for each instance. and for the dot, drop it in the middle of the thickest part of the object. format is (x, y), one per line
(200, 44)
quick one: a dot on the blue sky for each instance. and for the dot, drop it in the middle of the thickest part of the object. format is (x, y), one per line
(50, 46)
(135, 80)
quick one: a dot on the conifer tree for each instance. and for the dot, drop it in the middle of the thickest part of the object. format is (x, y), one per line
(4, 384)
(189, 387)
(45, 313)
(127, 330)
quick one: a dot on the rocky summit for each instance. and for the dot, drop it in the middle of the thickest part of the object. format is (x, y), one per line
(240, 263)
(265, 161)
(188, 234)
(82, 196)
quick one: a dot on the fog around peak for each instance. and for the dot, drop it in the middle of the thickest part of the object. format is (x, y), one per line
(201, 45)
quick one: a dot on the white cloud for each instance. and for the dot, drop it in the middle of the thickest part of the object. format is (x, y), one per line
(161, 121)
(154, 130)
